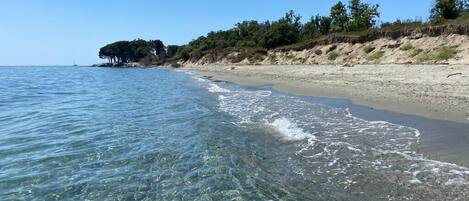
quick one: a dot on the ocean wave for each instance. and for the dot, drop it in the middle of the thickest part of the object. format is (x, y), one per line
(289, 130)
(341, 146)
(216, 89)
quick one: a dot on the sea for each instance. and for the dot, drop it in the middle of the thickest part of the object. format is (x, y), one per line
(85, 133)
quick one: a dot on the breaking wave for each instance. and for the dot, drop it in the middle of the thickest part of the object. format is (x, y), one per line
(344, 150)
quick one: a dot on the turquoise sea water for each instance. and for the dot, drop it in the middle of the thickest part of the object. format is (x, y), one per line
(82, 133)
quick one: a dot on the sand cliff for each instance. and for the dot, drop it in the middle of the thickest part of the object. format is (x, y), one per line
(447, 44)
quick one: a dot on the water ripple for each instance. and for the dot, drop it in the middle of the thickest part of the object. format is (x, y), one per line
(152, 134)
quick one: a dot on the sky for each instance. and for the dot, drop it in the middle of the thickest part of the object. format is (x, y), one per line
(61, 32)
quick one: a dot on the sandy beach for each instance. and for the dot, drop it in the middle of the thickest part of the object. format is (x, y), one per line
(434, 91)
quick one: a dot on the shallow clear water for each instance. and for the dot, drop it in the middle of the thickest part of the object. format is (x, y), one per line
(133, 134)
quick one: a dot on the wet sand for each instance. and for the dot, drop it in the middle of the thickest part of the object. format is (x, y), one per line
(423, 90)
(440, 140)
(443, 121)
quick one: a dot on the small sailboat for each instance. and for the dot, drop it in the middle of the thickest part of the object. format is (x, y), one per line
(74, 64)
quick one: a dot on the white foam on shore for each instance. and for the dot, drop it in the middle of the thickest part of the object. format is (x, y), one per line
(336, 138)
(289, 130)
(456, 182)
(217, 89)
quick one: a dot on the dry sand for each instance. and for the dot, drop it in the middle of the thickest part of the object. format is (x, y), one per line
(424, 90)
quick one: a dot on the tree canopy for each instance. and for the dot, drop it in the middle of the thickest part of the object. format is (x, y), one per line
(448, 9)
(363, 16)
(287, 30)
(343, 18)
(249, 34)
(340, 18)
(133, 51)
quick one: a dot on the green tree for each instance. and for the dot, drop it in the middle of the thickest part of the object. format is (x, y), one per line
(363, 16)
(172, 50)
(309, 30)
(122, 50)
(285, 31)
(447, 9)
(292, 19)
(339, 17)
(323, 24)
(139, 50)
(157, 46)
(250, 33)
(106, 53)
(135, 51)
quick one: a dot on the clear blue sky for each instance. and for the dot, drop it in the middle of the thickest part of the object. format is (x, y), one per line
(55, 32)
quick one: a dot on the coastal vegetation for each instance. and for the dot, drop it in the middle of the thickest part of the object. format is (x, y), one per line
(443, 53)
(415, 52)
(437, 54)
(332, 56)
(252, 39)
(375, 56)
(288, 30)
(133, 51)
(406, 47)
(369, 48)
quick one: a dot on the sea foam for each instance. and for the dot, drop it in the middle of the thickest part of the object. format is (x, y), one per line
(339, 146)
(217, 89)
(289, 130)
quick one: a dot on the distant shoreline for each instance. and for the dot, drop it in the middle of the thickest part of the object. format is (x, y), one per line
(434, 91)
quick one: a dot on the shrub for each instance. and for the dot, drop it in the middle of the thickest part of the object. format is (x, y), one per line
(443, 53)
(437, 54)
(422, 57)
(376, 55)
(403, 24)
(369, 48)
(332, 56)
(406, 46)
(415, 52)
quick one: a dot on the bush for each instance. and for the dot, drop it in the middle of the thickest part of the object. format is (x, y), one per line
(369, 48)
(443, 53)
(240, 54)
(196, 55)
(438, 54)
(422, 57)
(406, 47)
(403, 24)
(375, 56)
(332, 56)
(415, 52)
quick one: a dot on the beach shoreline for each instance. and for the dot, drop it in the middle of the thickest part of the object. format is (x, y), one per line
(434, 91)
